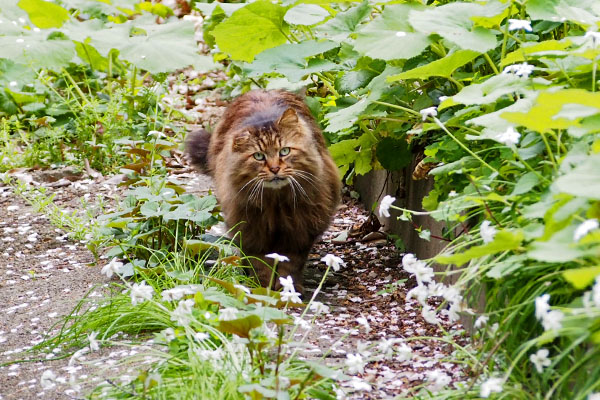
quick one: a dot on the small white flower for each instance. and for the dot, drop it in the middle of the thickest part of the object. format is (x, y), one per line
(227, 314)
(94, 346)
(596, 292)
(13, 84)
(487, 231)
(404, 353)
(452, 194)
(384, 206)
(438, 380)
(522, 69)
(429, 315)
(287, 283)
(291, 296)
(363, 321)
(481, 321)
(48, 379)
(428, 112)
(552, 320)
(593, 36)
(319, 308)
(20, 40)
(113, 267)
(420, 292)
(140, 293)
(542, 306)
(492, 385)
(355, 363)
(509, 137)
(517, 24)
(584, 228)
(242, 288)
(201, 336)
(333, 262)
(169, 334)
(277, 257)
(183, 313)
(359, 384)
(400, 34)
(540, 359)
(418, 268)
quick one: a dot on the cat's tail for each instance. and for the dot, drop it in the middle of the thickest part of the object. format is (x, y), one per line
(196, 150)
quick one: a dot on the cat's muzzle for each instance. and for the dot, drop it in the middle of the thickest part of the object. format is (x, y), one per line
(276, 182)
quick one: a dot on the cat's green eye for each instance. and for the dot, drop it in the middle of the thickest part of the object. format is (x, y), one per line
(259, 156)
(284, 151)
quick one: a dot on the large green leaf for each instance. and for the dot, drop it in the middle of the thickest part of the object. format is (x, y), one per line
(346, 117)
(443, 67)
(390, 36)
(453, 22)
(343, 152)
(585, 12)
(504, 240)
(344, 23)
(490, 90)
(581, 278)
(44, 14)
(290, 60)
(251, 30)
(35, 50)
(583, 180)
(393, 154)
(305, 14)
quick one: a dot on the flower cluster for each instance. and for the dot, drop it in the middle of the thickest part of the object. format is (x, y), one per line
(427, 287)
(550, 319)
(288, 292)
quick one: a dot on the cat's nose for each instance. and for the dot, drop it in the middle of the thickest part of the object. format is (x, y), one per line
(274, 169)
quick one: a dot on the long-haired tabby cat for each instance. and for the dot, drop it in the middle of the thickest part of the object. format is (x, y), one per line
(275, 179)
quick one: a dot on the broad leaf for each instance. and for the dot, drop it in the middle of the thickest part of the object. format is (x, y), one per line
(251, 30)
(344, 23)
(240, 326)
(581, 278)
(504, 240)
(490, 90)
(583, 180)
(393, 154)
(443, 67)
(305, 14)
(44, 14)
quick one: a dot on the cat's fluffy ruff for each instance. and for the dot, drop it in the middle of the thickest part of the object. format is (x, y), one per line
(279, 204)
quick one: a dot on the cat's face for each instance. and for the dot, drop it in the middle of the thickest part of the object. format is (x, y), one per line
(274, 155)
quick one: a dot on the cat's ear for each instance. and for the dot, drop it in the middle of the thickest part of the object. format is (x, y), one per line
(240, 141)
(288, 120)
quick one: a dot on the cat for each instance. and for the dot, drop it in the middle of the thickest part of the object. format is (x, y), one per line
(277, 184)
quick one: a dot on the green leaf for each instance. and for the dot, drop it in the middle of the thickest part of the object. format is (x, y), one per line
(490, 90)
(393, 154)
(305, 14)
(581, 278)
(465, 163)
(251, 30)
(240, 326)
(364, 157)
(34, 49)
(390, 36)
(44, 14)
(290, 60)
(525, 184)
(527, 49)
(453, 22)
(344, 23)
(568, 10)
(346, 117)
(443, 67)
(343, 152)
(504, 240)
(583, 180)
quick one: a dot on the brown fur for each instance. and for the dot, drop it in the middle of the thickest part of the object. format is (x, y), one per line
(284, 220)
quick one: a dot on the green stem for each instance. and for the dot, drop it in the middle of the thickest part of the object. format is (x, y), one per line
(529, 167)
(461, 144)
(491, 63)
(549, 150)
(405, 109)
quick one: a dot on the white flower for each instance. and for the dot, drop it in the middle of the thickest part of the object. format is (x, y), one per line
(355, 363)
(594, 396)
(492, 385)
(541, 306)
(481, 321)
(487, 231)
(227, 314)
(48, 379)
(540, 359)
(287, 283)
(400, 34)
(157, 134)
(277, 257)
(94, 346)
(452, 193)
(140, 293)
(201, 336)
(516, 24)
(438, 379)
(384, 206)
(359, 384)
(177, 292)
(552, 320)
(404, 353)
(319, 308)
(13, 84)
(183, 313)
(593, 36)
(428, 112)
(584, 228)
(509, 137)
(169, 334)
(522, 69)
(113, 267)
(429, 315)
(420, 292)
(333, 262)
(292, 296)
(418, 268)
(363, 321)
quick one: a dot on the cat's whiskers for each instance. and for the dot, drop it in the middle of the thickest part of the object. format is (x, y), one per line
(299, 186)
(247, 183)
(307, 176)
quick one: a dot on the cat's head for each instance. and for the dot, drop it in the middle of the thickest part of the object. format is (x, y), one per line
(274, 150)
